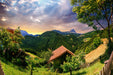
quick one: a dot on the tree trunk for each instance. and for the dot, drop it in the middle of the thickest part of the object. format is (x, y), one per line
(112, 21)
(31, 69)
(6, 53)
(111, 72)
(109, 37)
(70, 71)
(19, 53)
(112, 17)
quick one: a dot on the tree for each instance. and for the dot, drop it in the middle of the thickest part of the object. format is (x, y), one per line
(31, 63)
(92, 11)
(73, 63)
(10, 41)
(46, 55)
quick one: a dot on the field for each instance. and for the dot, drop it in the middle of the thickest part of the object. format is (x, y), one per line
(95, 54)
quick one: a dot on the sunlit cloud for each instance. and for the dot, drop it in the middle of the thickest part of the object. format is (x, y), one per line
(7, 9)
(35, 19)
(21, 1)
(3, 19)
(13, 3)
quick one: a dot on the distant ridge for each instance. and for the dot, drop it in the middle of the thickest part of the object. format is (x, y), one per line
(25, 33)
(72, 31)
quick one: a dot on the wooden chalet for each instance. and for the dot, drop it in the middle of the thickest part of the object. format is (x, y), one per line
(61, 53)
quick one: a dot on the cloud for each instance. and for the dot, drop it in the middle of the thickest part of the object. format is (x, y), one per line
(3, 19)
(37, 16)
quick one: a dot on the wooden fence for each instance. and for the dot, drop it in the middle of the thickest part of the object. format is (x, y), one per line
(1, 71)
(106, 70)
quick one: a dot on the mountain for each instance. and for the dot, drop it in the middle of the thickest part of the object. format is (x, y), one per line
(72, 31)
(24, 33)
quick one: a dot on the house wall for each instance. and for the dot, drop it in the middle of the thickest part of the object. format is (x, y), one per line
(57, 62)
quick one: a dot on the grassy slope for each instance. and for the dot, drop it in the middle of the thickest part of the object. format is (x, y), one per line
(92, 70)
(31, 55)
(10, 69)
(93, 55)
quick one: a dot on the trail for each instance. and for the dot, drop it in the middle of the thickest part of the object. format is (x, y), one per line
(96, 53)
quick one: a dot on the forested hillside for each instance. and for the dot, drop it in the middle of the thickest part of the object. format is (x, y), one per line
(51, 40)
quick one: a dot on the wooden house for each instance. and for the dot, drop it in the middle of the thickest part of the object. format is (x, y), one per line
(60, 55)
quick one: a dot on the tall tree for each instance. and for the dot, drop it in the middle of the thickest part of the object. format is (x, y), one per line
(92, 11)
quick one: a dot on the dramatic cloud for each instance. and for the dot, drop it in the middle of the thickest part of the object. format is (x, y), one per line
(38, 16)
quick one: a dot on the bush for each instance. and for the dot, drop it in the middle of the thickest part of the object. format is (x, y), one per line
(95, 43)
(73, 62)
(46, 55)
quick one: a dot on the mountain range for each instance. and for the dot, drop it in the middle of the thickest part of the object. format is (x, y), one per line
(72, 31)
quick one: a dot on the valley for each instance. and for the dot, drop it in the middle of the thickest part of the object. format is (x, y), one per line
(38, 50)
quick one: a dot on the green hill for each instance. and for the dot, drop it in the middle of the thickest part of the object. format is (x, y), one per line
(49, 41)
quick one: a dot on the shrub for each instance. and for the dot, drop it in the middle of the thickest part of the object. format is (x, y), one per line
(73, 63)
(95, 43)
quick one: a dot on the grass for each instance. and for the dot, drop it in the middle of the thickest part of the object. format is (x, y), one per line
(31, 55)
(10, 69)
(92, 70)
(86, 39)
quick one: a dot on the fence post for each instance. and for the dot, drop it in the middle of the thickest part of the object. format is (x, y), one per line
(100, 73)
(103, 71)
(106, 70)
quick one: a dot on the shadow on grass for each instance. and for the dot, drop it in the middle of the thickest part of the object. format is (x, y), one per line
(80, 73)
(12, 65)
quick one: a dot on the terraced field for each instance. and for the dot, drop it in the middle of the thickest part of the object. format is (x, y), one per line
(95, 54)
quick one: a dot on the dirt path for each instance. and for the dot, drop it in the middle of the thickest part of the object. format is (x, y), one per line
(93, 55)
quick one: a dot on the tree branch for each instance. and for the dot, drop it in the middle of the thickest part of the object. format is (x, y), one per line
(99, 24)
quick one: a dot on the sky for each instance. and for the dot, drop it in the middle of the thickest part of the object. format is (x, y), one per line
(38, 16)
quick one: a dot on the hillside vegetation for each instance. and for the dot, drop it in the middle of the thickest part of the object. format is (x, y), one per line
(50, 41)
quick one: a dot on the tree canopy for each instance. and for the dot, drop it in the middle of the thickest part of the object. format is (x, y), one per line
(10, 42)
(92, 12)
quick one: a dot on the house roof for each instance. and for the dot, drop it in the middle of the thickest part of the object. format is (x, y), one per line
(59, 52)
(10, 30)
